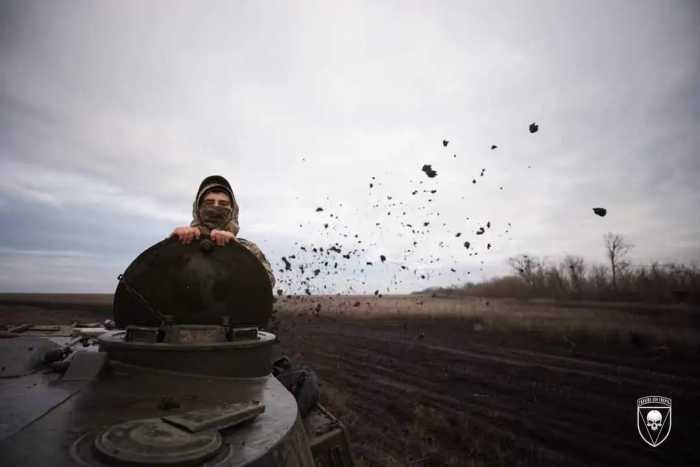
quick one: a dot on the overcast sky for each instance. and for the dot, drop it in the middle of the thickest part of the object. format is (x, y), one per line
(111, 113)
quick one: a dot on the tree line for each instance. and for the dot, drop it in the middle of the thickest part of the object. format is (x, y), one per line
(573, 278)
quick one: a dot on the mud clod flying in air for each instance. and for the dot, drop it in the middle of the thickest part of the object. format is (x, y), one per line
(287, 264)
(445, 143)
(427, 168)
(493, 146)
(600, 211)
(534, 127)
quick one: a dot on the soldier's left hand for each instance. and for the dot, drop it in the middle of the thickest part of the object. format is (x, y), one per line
(221, 237)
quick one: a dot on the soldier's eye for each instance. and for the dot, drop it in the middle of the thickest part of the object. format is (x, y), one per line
(209, 201)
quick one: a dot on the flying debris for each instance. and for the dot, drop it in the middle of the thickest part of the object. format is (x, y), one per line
(429, 171)
(287, 264)
(317, 268)
(445, 143)
(534, 127)
(600, 211)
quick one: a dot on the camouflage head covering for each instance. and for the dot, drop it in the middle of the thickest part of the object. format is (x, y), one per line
(219, 183)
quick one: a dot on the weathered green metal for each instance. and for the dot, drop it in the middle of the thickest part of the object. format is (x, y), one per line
(185, 382)
(199, 283)
(243, 358)
(66, 431)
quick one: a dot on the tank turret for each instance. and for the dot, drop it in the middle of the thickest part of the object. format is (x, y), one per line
(184, 379)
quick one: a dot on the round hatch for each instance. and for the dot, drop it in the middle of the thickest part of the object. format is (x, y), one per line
(199, 283)
(154, 442)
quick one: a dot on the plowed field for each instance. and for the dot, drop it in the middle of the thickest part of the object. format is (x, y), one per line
(472, 387)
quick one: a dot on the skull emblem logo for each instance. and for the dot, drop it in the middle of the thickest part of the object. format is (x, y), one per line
(654, 419)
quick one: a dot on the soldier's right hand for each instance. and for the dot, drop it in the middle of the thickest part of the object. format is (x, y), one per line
(186, 234)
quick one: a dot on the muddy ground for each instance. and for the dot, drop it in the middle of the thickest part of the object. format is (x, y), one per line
(433, 381)
(421, 382)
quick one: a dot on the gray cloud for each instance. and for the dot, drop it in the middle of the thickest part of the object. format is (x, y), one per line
(112, 112)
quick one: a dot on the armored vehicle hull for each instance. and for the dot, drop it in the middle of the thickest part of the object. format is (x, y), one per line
(170, 388)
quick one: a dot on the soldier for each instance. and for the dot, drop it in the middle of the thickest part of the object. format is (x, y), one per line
(215, 213)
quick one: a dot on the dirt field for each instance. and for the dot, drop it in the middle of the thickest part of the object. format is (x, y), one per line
(433, 381)
(430, 381)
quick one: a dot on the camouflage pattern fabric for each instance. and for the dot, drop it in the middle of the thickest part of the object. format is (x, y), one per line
(255, 249)
(231, 226)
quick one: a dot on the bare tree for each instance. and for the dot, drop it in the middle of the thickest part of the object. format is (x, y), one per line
(617, 249)
(575, 266)
(526, 267)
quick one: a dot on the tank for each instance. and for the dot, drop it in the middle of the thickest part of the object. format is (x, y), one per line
(183, 379)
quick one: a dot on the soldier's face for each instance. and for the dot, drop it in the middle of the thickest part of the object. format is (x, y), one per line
(216, 199)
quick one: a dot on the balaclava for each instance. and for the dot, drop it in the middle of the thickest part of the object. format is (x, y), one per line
(215, 217)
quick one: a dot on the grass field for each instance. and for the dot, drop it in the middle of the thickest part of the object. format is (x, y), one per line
(421, 380)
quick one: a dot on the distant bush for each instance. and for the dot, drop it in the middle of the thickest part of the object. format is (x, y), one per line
(573, 279)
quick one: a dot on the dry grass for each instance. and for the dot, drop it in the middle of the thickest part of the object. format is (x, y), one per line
(659, 328)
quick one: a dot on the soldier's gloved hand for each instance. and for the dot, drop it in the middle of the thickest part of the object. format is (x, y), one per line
(186, 234)
(221, 237)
